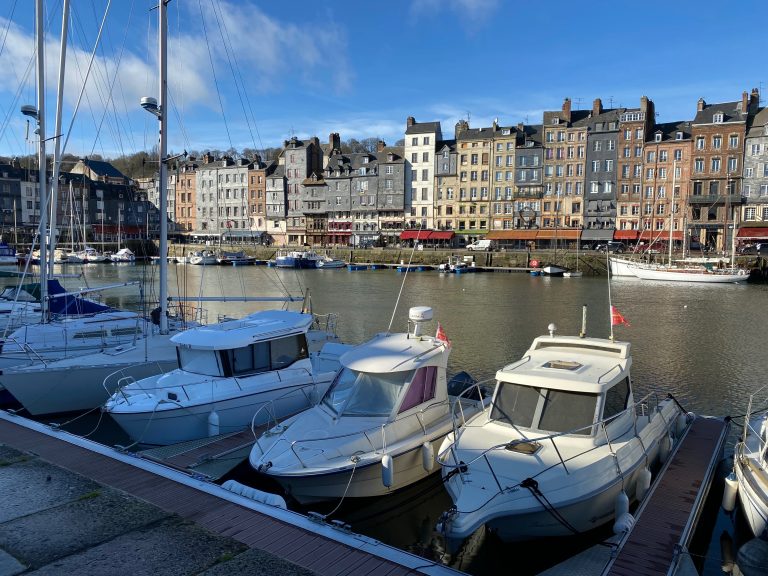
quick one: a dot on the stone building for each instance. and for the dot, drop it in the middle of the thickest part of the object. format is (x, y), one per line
(473, 146)
(420, 145)
(755, 184)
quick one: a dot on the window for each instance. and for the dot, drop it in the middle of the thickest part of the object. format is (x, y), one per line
(717, 118)
(616, 399)
(421, 388)
(717, 142)
(425, 156)
(362, 394)
(733, 164)
(700, 143)
(597, 145)
(426, 140)
(715, 165)
(595, 165)
(414, 141)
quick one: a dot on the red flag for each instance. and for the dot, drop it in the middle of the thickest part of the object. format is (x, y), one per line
(616, 317)
(441, 335)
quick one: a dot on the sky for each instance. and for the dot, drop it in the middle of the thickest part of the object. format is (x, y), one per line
(251, 74)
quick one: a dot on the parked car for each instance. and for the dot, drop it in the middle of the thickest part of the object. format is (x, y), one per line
(481, 245)
(696, 246)
(760, 248)
(611, 246)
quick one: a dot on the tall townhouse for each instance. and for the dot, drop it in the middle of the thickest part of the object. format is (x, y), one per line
(667, 173)
(12, 197)
(206, 197)
(755, 190)
(719, 132)
(338, 176)
(300, 159)
(565, 137)
(502, 213)
(447, 185)
(314, 193)
(257, 197)
(276, 206)
(473, 146)
(420, 145)
(529, 189)
(390, 200)
(186, 196)
(600, 180)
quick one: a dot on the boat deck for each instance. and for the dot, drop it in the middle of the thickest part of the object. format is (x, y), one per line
(667, 516)
(315, 545)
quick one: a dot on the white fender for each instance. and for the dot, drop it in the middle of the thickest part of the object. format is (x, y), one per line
(213, 423)
(254, 494)
(427, 456)
(681, 422)
(387, 470)
(643, 484)
(623, 523)
(665, 445)
(621, 505)
(730, 490)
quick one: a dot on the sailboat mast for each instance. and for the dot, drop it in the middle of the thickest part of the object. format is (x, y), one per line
(43, 176)
(672, 208)
(163, 86)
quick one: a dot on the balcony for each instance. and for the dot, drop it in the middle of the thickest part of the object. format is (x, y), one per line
(715, 199)
(532, 195)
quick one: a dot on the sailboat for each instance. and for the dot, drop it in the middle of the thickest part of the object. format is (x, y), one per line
(123, 254)
(574, 273)
(554, 269)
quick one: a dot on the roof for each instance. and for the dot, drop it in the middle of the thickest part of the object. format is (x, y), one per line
(103, 168)
(257, 327)
(759, 121)
(731, 112)
(571, 363)
(424, 128)
(476, 134)
(395, 353)
(669, 130)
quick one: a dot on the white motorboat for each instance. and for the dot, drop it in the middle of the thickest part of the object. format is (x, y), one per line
(235, 259)
(553, 270)
(563, 446)
(201, 258)
(89, 255)
(297, 259)
(750, 464)
(328, 262)
(227, 371)
(377, 427)
(123, 255)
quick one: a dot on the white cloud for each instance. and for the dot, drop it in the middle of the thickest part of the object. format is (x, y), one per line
(472, 13)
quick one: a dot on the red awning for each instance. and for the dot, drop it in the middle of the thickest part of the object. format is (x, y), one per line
(415, 234)
(753, 232)
(626, 234)
(660, 235)
(441, 235)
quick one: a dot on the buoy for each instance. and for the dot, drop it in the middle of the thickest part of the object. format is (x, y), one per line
(665, 444)
(680, 423)
(254, 494)
(387, 470)
(623, 523)
(621, 506)
(730, 490)
(213, 423)
(427, 456)
(643, 483)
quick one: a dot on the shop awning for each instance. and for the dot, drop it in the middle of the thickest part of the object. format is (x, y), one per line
(512, 235)
(603, 234)
(660, 235)
(753, 232)
(441, 235)
(415, 234)
(560, 234)
(626, 234)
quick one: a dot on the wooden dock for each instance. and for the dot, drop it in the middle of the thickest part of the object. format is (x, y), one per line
(324, 548)
(667, 516)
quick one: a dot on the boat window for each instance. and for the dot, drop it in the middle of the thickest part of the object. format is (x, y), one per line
(564, 411)
(515, 404)
(199, 361)
(286, 351)
(616, 399)
(338, 394)
(362, 394)
(421, 389)
(265, 356)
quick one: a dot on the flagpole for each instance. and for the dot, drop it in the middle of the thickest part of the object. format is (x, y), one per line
(610, 305)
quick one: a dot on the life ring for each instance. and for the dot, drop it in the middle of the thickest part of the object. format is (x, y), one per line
(534, 263)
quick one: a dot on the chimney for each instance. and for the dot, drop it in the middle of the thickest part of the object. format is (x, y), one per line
(754, 99)
(380, 145)
(410, 122)
(567, 109)
(334, 141)
(644, 103)
(315, 140)
(521, 128)
(700, 105)
(744, 102)
(207, 158)
(597, 107)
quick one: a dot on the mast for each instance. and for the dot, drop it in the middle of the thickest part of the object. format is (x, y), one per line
(672, 209)
(57, 131)
(162, 118)
(42, 175)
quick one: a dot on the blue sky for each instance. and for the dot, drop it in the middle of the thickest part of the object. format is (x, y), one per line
(310, 68)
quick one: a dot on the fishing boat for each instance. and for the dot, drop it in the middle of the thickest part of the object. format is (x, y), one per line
(297, 259)
(201, 258)
(235, 259)
(227, 371)
(378, 425)
(563, 447)
(750, 465)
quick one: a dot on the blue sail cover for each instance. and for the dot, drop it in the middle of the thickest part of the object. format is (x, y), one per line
(71, 305)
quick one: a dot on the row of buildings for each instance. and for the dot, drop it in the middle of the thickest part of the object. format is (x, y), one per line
(595, 175)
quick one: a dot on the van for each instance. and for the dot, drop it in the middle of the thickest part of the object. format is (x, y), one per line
(481, 245)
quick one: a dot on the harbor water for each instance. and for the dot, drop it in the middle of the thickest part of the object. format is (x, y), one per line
(705, 344)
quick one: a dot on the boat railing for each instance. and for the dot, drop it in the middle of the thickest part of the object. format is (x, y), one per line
(480, 388)
(749, 430)
(269, 408)
(531, 445)
(325, 322)
(123, 378)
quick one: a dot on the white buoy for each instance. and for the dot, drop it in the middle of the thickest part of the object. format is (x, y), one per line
(665, 445)
(730, 490)
(387, 470)
(427, 456)
(621, 506)
(213, 423)
(623, 523)
(643, 483)
(255, 494)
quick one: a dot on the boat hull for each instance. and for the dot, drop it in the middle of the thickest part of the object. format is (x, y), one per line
(753, 501)
(672, 275)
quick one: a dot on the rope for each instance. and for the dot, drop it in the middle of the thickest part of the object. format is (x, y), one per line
(355, 460)
(683, 410)
(533, 486)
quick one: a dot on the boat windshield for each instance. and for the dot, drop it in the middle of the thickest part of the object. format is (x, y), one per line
(204, 362)
(543, 409)
(363, 394)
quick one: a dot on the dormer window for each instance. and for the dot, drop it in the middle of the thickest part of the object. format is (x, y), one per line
(365, 160)
(717, 118)
(362, 171)
(678, 135)
(507, 131)
(658, 137)
(555, 120)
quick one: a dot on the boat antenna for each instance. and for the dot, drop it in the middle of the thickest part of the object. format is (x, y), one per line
(583, 332)
(610, 304)
(407, 268)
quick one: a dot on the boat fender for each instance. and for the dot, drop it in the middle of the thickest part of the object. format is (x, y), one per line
(665, 444)
(254, 494)
(427, 456)
(621, 504)
(643, 483)
(387, 470)
(623, 523)
(213, 423)
(681, 422)
(730, 490)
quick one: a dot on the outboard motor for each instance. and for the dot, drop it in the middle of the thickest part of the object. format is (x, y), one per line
(154, 316)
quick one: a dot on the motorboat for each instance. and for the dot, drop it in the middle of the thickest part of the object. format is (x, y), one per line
(235, 259)
(328, 262)
(89, 255)
(563, 446)
(750, 465)
(297, 259)
(458, 265)
(553, 270)
(226, 372)
(7, 255)
(201, 258)
(378, 425)
(123, 255)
